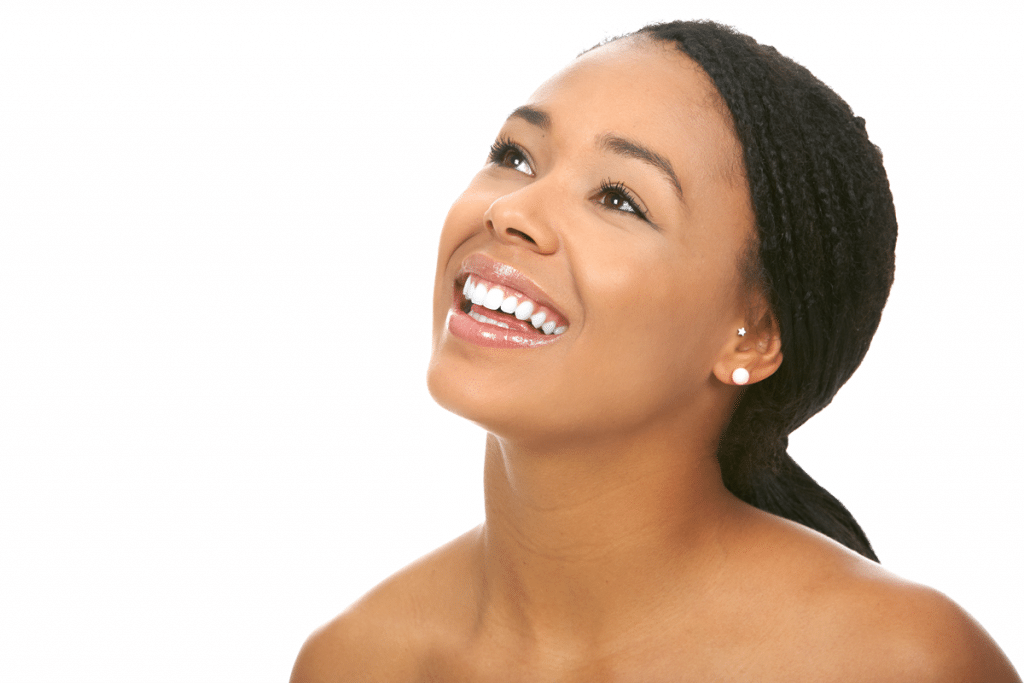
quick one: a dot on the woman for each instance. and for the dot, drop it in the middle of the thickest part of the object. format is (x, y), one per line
(678, 251)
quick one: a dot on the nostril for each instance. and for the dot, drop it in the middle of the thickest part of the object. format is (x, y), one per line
(519, 233)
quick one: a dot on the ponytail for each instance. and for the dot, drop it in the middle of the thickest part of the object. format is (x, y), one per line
(789, 492)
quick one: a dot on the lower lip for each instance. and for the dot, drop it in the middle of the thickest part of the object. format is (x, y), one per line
(464, 327)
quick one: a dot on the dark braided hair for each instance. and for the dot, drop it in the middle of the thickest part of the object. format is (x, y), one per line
(824, 259)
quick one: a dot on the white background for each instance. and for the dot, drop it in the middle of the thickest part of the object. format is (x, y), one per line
(217, 241)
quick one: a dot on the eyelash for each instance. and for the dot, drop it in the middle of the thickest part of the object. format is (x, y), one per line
(500, 150)
(615, 188)
(503, 146)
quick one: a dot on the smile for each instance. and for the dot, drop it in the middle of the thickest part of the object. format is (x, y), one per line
(478, 292)
(495, 305)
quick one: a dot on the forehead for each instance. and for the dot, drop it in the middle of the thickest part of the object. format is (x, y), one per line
(650, 91)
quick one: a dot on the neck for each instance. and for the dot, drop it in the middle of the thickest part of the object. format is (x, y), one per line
(581, 541)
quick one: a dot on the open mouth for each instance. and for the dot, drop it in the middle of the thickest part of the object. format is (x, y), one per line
(503, 307)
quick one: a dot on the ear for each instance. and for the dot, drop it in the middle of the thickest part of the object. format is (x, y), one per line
(756, 349)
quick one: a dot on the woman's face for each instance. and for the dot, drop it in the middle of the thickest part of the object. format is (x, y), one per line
(614, 203)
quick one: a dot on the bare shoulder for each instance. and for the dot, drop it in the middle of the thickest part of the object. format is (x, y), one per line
(388, 634)
(920, 632)
(880, 625)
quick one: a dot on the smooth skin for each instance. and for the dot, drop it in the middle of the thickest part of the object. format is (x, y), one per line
(611, 549)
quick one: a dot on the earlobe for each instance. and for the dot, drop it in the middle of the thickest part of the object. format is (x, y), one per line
(751, 356)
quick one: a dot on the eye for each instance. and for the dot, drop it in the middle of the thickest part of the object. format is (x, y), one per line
(617, 197)
(506, 153)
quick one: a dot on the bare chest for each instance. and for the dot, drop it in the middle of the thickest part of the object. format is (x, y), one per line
(682, 658)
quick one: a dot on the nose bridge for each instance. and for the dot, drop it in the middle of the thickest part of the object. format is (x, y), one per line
(527, 215)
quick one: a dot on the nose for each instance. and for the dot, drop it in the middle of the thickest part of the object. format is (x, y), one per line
(524, 218)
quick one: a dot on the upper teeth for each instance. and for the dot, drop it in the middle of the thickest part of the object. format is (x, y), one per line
(494, 298)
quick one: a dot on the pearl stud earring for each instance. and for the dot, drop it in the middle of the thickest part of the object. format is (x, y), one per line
(740, 376)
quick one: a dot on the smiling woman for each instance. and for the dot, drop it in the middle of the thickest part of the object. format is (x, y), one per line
(677, 252)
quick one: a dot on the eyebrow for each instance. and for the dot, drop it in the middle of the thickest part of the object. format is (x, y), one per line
(530, 115)
(614, 143)
(635, 150)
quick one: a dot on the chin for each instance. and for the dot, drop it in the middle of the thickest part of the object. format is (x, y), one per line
(506, 410)
(458, 387)
(517, 410)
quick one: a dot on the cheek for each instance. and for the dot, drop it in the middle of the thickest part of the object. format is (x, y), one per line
(464, 219)
(653, 339)
(656, 299)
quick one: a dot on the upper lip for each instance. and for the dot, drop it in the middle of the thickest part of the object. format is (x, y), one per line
(503, 274)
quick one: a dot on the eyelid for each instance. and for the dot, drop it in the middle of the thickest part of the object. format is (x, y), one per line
(610, 186)
(502, 146)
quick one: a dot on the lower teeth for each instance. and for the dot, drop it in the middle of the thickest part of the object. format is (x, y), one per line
(484, 319)
(467, 307)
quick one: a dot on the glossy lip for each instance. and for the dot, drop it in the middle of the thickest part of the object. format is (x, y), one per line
(503, 274)
(464, 327)
(521, 335)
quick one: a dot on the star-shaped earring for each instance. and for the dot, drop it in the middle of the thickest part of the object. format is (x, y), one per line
(742, 331)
